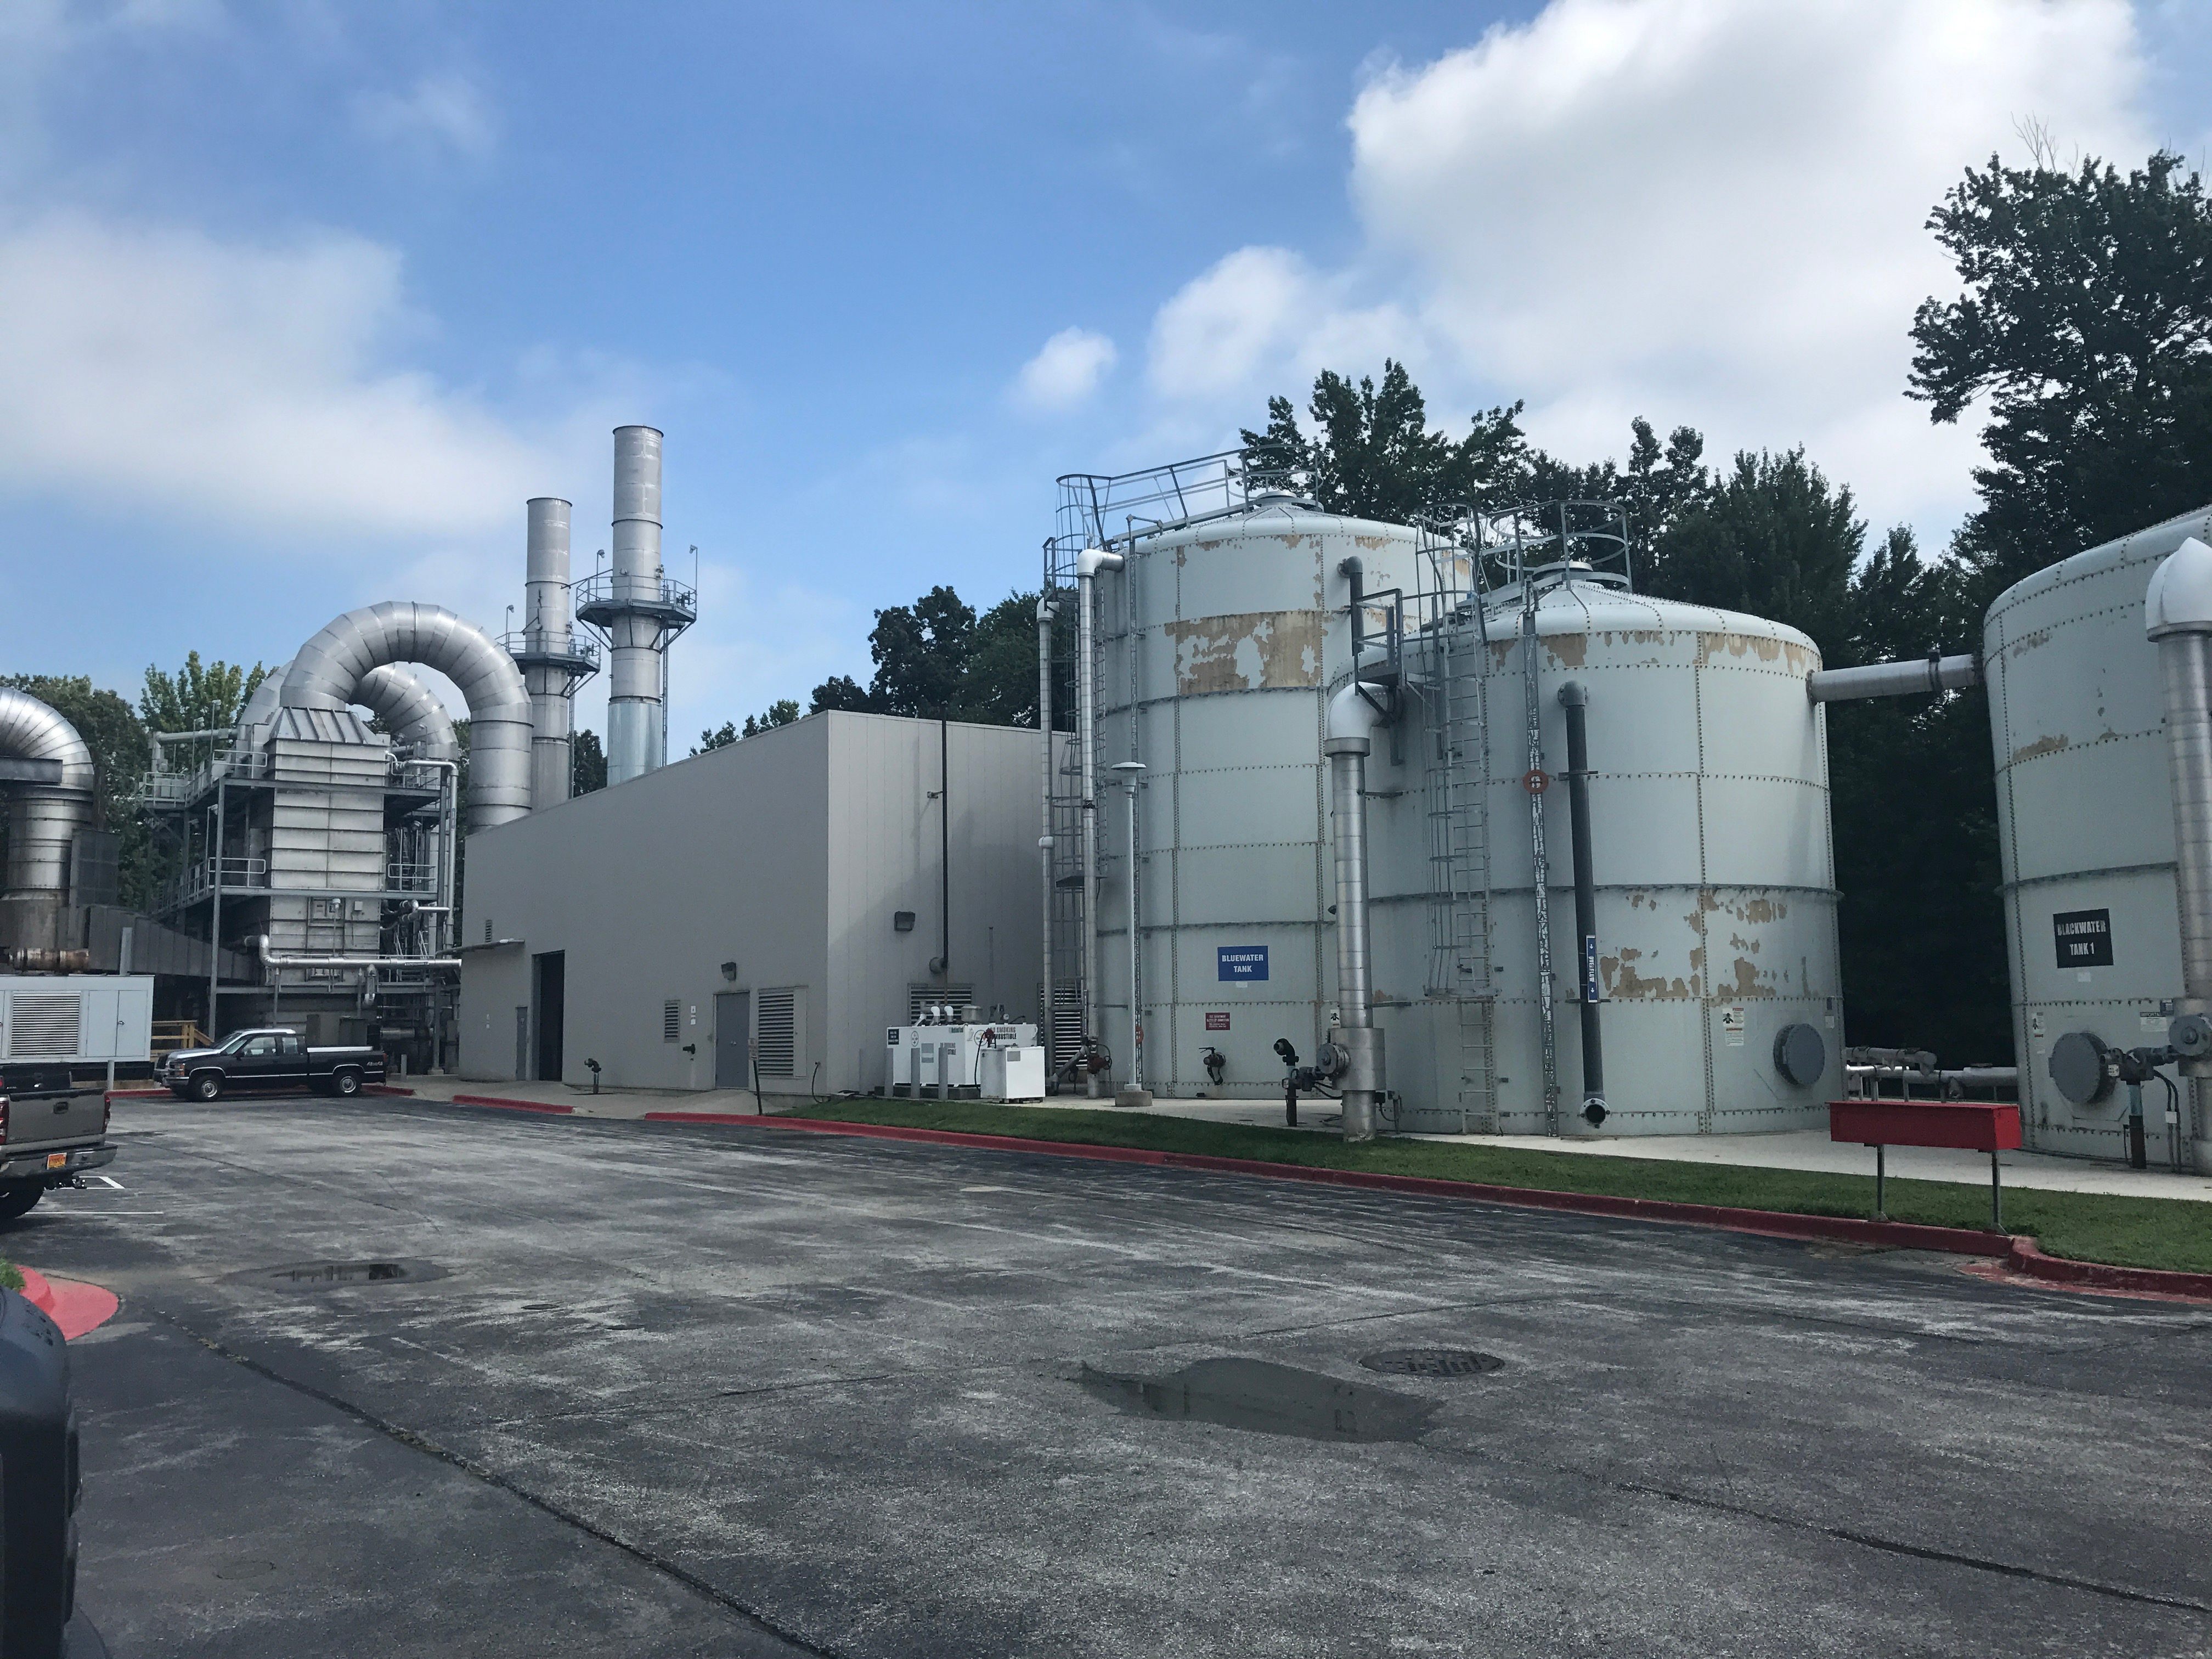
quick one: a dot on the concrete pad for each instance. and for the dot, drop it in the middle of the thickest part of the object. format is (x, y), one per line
(842, 1385)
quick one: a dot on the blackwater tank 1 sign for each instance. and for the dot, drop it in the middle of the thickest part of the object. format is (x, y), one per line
(2085, 937)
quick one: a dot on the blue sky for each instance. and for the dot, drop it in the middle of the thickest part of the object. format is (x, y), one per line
(303, 300)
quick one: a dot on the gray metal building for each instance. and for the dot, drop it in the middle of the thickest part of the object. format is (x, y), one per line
(762, 912)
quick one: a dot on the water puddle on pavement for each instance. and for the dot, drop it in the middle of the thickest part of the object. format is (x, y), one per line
(1264, 1398)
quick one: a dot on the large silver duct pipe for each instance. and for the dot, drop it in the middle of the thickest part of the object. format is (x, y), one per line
(2177, 614)
(637, 717)
(1088, 564)
(330, 669)
(1358, 1066)
(414, 714)
(1912, 676)
(44, 812)
(547, 633)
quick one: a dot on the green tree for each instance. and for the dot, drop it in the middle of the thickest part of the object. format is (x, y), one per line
(1372, 454)
(2086, 327)
(938, 659)
(720, 737)
(587, 764)
(196, 698)
(841, 691)
(782, 711)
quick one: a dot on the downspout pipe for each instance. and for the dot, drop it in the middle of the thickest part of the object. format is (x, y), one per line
(1910, 676)
(1355, 1059)
(1045, 1008)
(1088, 564)
(2178, 617)
(1576, 702)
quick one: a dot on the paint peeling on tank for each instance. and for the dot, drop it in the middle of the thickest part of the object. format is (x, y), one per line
(1372, 544)
(1798, 658)
(1252, 651)
(1501, 652)
(1748, 984)
(1566, 650)
(2040, 747)
(1623, 982)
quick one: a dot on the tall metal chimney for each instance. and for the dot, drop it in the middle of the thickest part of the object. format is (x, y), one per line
(636, 718)
(637, 611)
(554, 662)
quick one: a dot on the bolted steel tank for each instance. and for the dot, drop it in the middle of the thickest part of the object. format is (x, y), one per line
(1716, 956)
(1217, 643)
(2084, 827)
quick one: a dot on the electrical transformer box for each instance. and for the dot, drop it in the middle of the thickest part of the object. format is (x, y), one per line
(944, 1059)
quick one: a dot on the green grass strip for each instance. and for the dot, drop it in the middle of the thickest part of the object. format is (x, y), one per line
(2131, 1232)
(11, 1276)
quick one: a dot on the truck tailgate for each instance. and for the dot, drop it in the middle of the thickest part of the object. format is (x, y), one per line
(36, 1119)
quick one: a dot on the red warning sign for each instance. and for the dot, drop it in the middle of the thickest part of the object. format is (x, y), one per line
(1217, 1022)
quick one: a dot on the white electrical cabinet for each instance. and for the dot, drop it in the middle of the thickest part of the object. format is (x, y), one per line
(1011, 1073)
(946, 1060)
(74, 1019)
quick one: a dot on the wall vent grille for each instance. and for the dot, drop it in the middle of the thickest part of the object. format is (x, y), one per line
(45, 1026)
(778, 1047)
(919, 997)
(671, 1021)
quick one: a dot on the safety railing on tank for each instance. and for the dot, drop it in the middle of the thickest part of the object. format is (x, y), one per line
(411, 876)
(1100, 509)
(201, 877)
(166, 787)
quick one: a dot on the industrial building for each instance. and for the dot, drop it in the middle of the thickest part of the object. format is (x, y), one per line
(759, 915)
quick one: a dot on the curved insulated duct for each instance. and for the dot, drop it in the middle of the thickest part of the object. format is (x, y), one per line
(332, 667)
(410, 710)
(43, 818)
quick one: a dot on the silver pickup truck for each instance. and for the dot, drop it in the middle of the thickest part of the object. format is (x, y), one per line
(52, 1129)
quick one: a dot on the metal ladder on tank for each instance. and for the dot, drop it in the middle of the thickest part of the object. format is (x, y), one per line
(1457, 777)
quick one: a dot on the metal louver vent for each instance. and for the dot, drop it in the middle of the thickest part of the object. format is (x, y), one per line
(44, 1026)
(671, 1021)
(778, 1045)
(919, 997)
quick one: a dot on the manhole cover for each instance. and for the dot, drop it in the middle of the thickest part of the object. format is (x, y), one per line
(316, 1274)
(1432, 1362)
(1264, 1398)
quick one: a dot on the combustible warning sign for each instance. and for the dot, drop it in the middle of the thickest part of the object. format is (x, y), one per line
(1217, 1022)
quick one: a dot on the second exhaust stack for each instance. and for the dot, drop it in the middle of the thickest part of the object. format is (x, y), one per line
(637, 611)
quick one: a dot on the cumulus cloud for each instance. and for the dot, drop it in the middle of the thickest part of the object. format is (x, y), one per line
(438, 113)
(241, 383)
(1709, 210)
(1065, 372)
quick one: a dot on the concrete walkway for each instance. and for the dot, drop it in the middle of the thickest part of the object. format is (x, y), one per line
(1797, 1149)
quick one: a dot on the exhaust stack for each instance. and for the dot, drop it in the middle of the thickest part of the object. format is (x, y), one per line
(553, 661)
(638, 611)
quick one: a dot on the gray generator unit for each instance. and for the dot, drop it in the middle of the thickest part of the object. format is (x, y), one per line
(2093, 916)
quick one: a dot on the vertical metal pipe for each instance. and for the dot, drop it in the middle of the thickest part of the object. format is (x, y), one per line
(547, 630)
(1046, 1006)
(215, 911)
(1347, 745)
(1133, 1092)
(635, 713)
(943, 846)
(1575, 700)
(1547, 981)
(2177, 614)
(1087, 567)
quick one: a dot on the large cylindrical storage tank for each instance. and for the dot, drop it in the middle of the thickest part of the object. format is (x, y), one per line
(1231, 631)
(2085, 824)
(1714, 874)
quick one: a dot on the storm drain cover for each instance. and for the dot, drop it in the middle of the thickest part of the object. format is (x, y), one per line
(1432, 1362)
(310, 1275)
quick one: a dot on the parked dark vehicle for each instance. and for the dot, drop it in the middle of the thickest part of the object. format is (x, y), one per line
(52, 1130)
(270, 1058)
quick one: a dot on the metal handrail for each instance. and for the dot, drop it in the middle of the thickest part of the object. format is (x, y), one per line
(666, 593)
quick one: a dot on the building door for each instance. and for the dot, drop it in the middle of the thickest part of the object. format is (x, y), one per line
(549, 986)
(733, 1039)
(521, 1045)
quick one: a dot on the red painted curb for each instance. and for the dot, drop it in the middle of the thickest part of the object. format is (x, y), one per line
(513, 1105)
(2019, 1253)
(75, 1306)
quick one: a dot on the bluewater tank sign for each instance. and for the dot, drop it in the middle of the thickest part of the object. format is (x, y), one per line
(1241, 962)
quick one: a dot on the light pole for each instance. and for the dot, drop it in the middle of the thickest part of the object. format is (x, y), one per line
(1133, 1092)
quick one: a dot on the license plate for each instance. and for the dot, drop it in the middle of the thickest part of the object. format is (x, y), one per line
(57, 1160)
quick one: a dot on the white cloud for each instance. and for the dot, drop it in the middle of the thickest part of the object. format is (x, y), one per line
(1065, 372)
(1702, 210)
(239, 383)
(439, 111)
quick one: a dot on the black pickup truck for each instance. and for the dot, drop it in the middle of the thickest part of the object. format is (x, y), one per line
(271, 1058)
(52, 1130)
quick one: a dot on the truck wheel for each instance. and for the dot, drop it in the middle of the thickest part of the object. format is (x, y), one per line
(208, 1085)
(347, 1082)
(16, 1198)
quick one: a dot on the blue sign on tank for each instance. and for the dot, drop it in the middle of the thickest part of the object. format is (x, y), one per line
(1241, 961)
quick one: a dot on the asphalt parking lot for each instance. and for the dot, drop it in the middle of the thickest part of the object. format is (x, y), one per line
(640, 1388)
